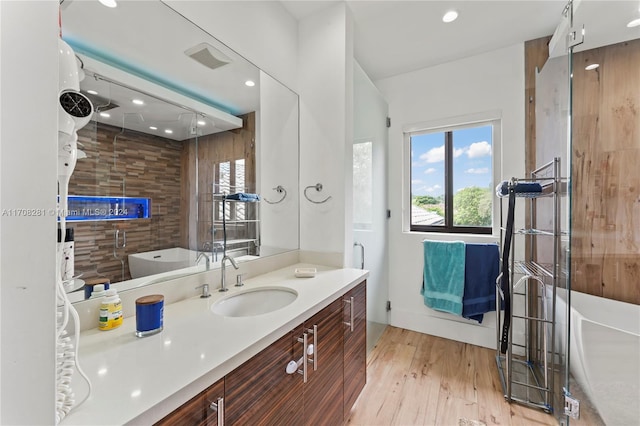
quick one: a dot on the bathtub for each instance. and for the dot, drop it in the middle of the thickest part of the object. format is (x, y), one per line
(605, 355)
(158, 261)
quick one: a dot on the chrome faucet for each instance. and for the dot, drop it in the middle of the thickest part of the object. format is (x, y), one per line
(223, 281)
(207, 265)
(217, 247)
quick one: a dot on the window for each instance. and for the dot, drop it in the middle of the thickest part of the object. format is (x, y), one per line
(451, 177)
(363, 185)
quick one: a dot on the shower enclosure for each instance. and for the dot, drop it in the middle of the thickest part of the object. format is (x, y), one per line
(583, 105)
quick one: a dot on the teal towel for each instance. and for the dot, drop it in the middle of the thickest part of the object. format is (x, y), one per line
(443, 285)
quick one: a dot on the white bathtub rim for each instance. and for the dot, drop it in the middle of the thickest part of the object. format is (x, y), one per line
(183, 254)
(580, 366)
(609, 313)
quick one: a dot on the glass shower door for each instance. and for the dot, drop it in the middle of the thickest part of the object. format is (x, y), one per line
(589, 90)
(553, 140)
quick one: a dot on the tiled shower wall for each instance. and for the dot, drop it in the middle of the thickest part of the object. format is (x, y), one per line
(134, 165)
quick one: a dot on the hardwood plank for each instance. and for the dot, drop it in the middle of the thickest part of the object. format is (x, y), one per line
(492, 408)
(453, 411)
(417, 379)
(377, 404)
(422, 384)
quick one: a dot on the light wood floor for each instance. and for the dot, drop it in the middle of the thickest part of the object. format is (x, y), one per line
(417, 379)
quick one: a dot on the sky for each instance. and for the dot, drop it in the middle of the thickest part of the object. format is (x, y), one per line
(471, 163)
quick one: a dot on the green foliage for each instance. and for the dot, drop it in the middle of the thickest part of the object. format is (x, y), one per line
(438, 209)
(472, 206)
(423, 200)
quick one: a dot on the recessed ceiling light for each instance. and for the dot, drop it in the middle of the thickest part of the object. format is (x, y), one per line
(591, 67)
(105, 114)
(201, 123)
(138, 101)
(450, 16)
(108, 3)
(168, 131)
(92, 92)
(634, 23)
(153, 127)
(249, 83)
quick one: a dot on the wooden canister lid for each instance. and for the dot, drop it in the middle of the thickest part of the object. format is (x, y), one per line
(150, 299)
(95, 281)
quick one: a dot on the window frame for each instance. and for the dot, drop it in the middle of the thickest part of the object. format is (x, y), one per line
(448, 127)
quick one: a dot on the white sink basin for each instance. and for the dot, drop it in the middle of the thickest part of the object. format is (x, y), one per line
(254, 302)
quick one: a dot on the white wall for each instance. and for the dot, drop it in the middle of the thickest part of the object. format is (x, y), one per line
(492, 81)
(325, 85)
(261, 31)
(277, 152)
(28, 152)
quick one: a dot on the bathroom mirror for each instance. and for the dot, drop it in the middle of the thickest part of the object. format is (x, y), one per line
(180, 120)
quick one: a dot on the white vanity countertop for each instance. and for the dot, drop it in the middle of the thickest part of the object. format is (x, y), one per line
(140, 380)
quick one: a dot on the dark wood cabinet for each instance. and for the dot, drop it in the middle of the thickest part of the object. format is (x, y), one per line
(323, 391)
(198, 410)
(261, 392)
(214, 404)
(355, 344)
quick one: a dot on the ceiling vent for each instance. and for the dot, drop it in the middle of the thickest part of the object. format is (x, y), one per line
(101, 104)
(208, 56)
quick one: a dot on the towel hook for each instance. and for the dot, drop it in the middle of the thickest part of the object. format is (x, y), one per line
(318, 187)
(280, 190)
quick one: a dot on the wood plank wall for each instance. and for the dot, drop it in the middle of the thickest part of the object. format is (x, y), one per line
(606, 172)
(211, 151)
(536, 54)
(605, 245)
(138, 165)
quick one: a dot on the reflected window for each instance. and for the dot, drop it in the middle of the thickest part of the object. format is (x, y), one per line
(224, 185)
(363, 185)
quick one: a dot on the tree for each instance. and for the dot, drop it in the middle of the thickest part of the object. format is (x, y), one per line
(421, 200)
(472, 206)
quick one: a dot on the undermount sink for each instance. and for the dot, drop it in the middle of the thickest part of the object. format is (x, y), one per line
(254, 302)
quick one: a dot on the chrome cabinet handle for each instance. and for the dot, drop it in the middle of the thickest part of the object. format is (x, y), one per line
(218, 406)
(351, 312)
(293, 366)
(314, 352)
(305, 345)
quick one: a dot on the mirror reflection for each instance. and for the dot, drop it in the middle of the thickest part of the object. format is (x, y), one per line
(184, 123)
